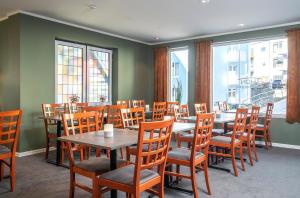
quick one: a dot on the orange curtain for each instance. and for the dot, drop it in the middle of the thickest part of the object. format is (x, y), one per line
(203, 73)
(160, 73)
(293, 84)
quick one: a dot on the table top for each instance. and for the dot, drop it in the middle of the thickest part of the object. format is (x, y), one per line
(121, 138)
(220, 118)
(178, 127)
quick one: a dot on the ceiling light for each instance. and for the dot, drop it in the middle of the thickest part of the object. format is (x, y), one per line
(156, 38)
(205, 1)
(241, 24)
(92, 6)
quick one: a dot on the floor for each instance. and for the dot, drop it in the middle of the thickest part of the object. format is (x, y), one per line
(277, 174)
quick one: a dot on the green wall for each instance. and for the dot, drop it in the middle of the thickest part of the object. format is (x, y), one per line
(282, 132)
(132, 70)
(10, 63)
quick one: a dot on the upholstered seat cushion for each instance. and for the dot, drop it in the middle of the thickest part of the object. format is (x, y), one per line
(125, 175)
(97, 164)
(182, 154)
(244, 134)
(223, 139)
(217, 131)
(4, 149)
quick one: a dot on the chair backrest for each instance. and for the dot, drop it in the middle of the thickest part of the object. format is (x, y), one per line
(253, 121)
(239, 123)
(50, 110)
(75, 107)
(202, 133)
(200, 108)
(132, 116)
(158, 111)
(137, 103)
(79, 123)
(223, 106)
(124, 103)
(170, 108)
(101, 112)
(114, 115)
(184, 110)
(152, 148)
(176, 113)
(268, 117)
(10, 122)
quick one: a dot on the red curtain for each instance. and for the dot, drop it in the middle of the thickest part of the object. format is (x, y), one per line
(203, 73)
(160, 73)
(293, 83)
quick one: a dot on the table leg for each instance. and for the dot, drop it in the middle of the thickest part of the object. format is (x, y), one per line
(113, 166)
(58, 144)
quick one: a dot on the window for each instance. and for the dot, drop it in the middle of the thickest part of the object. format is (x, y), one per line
(83, 71)
(178, 79)
(259, 78)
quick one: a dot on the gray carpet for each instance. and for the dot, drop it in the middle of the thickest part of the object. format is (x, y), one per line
(277, 174)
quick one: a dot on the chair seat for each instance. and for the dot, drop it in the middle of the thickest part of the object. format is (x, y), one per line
(244, 134)
(4, 149)
(97, 165)
(217, 132)
(223, 139)
(182, 154)
(125, 175)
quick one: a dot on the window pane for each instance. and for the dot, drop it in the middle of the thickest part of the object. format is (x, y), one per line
(251, 73)
(69, 59)
(179, 76)
(99, 74)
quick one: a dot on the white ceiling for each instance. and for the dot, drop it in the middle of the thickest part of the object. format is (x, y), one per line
(143, 20)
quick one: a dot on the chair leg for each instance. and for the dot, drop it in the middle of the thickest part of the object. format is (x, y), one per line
(242, 157)
(161, 190)
(177, 171)
(205, 167)
(249, 152)
(98, 152)
(1, 170)
(234, 162)
(254, 150)
(95, 187)
(194, 184)
(12, 174)
(269, 138)
(266, 139)
(122, 153)
(47, 148)
(72, 184)
(108, 153)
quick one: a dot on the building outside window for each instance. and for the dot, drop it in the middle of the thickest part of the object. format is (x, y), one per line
(178, 79)
(83, 71)
(259, 77)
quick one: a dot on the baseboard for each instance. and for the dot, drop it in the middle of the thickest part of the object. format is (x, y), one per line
(288, 146)
(33, 152)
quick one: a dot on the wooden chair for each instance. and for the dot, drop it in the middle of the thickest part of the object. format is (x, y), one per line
(10, 122)
(51, 110)
(263, 131)
(232, 143)
(79, 123)
(184, 110)
(148, 170)
(223, 106)
(170, 108)
(159, 109)
(248, 138)
(124, 103)
(200, 108)
(131, 117)
(138, 103)
(76, 107)
(197, 156)
(101, 112)
(114, 117)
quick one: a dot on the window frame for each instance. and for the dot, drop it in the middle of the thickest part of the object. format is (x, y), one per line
(84, 47)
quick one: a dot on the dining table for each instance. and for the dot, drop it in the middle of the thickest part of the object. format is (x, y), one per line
(121, 138)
